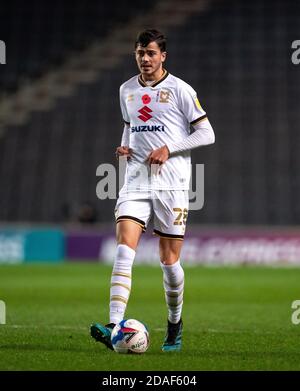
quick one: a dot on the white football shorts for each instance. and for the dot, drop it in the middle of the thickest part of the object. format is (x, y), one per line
(168, 207)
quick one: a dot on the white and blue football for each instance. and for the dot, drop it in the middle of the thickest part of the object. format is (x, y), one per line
(130, 336)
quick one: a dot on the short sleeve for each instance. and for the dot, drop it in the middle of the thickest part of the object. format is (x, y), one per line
(189, 104)
(125, 116)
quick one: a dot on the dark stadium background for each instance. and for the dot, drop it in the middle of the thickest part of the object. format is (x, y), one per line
(236, 54)
(60, 119)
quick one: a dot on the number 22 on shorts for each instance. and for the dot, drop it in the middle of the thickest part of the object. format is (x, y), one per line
(181, 216)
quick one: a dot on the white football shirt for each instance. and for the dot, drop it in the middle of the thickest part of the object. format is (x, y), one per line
(156, 114)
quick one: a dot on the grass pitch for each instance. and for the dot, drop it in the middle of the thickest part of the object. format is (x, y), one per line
(234, 318)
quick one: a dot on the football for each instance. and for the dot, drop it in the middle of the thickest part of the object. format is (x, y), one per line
(130, 336)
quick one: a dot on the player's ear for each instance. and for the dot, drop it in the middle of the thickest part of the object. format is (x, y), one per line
(163, 56)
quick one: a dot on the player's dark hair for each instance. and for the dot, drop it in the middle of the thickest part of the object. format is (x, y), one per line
(151, 35)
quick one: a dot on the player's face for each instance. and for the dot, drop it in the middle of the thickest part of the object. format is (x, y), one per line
(149, 60)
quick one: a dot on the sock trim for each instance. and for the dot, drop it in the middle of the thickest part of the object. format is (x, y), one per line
(122, 285)
(119, 298)
(173, 285)
(174, 294)
(175, 305)
(120, 274)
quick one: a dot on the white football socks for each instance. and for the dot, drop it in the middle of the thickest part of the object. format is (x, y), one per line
(120, 282)
(174, 285)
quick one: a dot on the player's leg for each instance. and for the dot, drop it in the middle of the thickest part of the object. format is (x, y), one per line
(128, 233)
(128, 236)
(173, 277)
(169, 222)
(173, 282)
(131, 219)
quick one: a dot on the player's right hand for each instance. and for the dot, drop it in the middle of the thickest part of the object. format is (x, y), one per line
(123, 151)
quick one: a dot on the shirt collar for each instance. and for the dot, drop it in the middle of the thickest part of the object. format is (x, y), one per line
(155, 82)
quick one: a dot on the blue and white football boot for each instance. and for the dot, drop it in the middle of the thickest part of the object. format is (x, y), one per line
(173, 338)
(102, 333)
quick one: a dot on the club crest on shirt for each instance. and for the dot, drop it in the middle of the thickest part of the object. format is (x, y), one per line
(164, 96)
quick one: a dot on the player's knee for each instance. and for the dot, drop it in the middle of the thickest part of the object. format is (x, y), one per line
(169, 251)
(128, 233)
(127, 242)
(169, 258)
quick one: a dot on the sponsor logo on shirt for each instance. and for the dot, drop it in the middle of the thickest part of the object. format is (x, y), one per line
(130, 98)
(145, 116)
(148, 128)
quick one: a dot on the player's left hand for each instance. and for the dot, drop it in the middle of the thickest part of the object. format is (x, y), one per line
(158, 156)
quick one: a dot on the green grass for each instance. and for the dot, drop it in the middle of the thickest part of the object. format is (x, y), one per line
(234, 318)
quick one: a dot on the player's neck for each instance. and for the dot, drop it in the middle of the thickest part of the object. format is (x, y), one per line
(154, 76)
